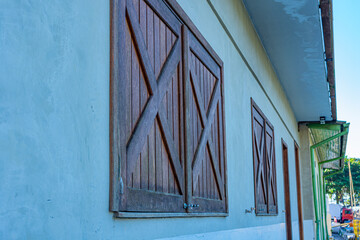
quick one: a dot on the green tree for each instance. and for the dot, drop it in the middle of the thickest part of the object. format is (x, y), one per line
(339, 184)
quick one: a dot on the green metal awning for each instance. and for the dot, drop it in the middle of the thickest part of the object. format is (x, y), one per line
(330, 143)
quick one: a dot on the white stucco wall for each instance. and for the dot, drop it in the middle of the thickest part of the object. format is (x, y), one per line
(54, 115)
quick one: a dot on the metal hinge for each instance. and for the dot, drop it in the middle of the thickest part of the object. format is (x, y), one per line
(190, 206)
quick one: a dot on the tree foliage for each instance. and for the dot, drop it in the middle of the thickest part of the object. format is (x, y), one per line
(339, 184)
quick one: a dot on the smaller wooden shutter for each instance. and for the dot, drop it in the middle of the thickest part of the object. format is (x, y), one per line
(265, 190)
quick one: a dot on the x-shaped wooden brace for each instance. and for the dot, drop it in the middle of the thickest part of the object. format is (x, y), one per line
(259, 154)
(157, 90)
(206, 121)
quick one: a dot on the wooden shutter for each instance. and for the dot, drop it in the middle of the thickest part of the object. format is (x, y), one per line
(152, 127)
(271, 169)
(167, 121)
(205, 131)
(265, 191)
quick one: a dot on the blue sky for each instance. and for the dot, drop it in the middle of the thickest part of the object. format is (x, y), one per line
(347, 68)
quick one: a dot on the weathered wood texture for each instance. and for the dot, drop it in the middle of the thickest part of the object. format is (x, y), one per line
(287, 191)
(265, 190)
(167, 114)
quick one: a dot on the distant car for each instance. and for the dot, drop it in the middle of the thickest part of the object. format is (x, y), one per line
(346, 214)
(348, 233)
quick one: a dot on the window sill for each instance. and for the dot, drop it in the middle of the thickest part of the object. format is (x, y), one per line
(166, 215)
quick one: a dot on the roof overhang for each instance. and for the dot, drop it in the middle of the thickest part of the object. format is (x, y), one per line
(297, 36)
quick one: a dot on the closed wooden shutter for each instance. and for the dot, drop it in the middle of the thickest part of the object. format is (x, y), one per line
(153, 125)
(166, 94)
(265, 191)
(205, 131)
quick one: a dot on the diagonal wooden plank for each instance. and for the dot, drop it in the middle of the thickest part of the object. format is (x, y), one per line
(204, 135)
(198, 97)
(147, 118)
(174, 155)
(218, 178)
(141, 47)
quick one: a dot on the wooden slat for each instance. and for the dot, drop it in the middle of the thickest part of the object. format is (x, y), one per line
(187, 132)
(158, 158)
(152, 157)
(117, 76)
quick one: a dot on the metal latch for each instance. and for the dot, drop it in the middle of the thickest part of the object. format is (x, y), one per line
(250, 210)
(191, 206)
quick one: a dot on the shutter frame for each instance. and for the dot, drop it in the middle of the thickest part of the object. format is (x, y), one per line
(268, 170)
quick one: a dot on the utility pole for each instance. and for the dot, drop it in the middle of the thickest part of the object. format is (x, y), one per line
(351, 187)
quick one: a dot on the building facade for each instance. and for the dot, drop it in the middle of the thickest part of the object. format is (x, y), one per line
(146, 119)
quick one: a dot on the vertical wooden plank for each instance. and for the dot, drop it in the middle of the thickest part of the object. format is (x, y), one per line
(152, 173)
(204, 83)
(208, 178)
(162, 44)
(156, 46)
(211, 194)
(144, 171)
(143, 26)
(136, 6)
(150, 34)
(207, 93)
(158, 169)
(188, 135)
(170, 119)
(135, 98)
(127, 83)
(136, 174)
(165, 168)
(221, 134)
(143, 19)
(219, 138)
